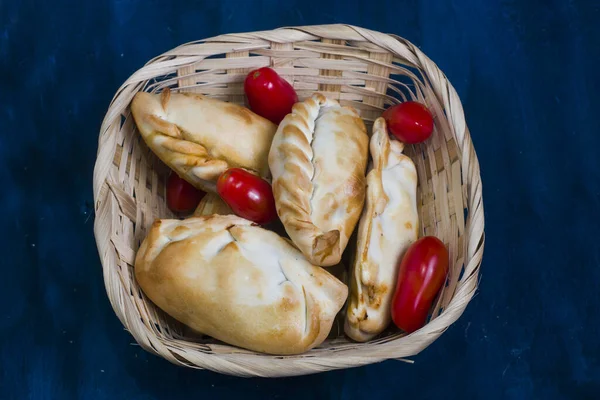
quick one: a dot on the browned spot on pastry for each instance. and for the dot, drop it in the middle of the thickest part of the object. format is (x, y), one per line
(287, 304)
(293, 131)
(303, 124)
(326, 244)
(298, 202)
(362, 315)
(277, 334)
(331, 204)
(339, 135)
(408, 225)
(164, 127)
(319, 98)
(355, 190)
(301, 112)
(180, 230)
(348, 122)
(289, 300)
(184, 147)
(355, 186)
(376, 293)
(294, 169)
(299, 224)
(233, 247)
(359, 122)
(375, 302)
(240, 112)
(292, 151)
(256, 276)
(195, 96)
(359, 142)
(165, 96)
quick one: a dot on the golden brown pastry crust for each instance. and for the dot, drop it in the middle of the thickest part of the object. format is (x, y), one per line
(199, 137)
(211, 204)
(239, 283)
(318, 160)
(388, 225)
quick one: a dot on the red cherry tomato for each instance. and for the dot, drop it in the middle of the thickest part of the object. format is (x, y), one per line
(247, 195)
(182, 197)
(422, 273)
(269, 95)
(410, 122)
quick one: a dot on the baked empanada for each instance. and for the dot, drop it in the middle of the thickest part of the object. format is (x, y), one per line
(211, 204)
(388, 226)
(318, 160)
(199, 137)
(239, 283)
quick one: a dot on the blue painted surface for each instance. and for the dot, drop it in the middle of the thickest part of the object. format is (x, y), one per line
(527, 72)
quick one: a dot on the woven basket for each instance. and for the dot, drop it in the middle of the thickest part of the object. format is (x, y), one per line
(362, 68)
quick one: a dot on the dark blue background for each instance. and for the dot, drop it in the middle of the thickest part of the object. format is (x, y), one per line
(527, 72)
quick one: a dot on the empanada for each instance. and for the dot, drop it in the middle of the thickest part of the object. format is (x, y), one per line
(199, 137)
(318, 160)
(211, 204)
(388, 226)
(239, 283)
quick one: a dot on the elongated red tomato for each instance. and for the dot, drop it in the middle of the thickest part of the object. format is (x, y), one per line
(182, 197)
(422, 272)
(269, 95)
(248, 195)
(410, 122)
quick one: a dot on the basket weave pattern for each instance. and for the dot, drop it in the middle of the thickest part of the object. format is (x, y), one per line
(365, 69)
